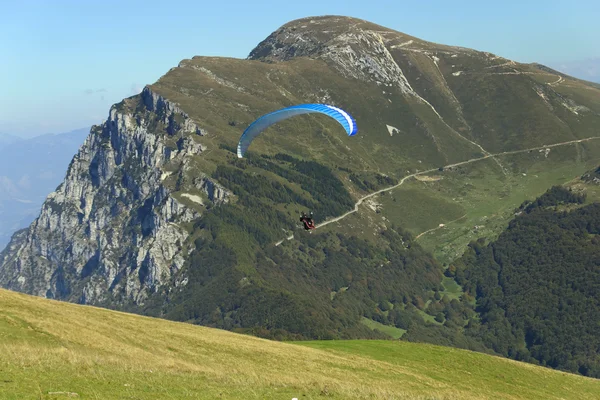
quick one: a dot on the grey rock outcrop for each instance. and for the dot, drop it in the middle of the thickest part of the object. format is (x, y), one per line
(112, 228)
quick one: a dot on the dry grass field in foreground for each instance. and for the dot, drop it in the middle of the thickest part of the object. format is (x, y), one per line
(55, 350)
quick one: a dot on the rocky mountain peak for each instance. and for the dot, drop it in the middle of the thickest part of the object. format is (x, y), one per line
(312, 37)
(358, 49)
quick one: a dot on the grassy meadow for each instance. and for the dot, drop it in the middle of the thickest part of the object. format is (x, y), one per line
(56, 350)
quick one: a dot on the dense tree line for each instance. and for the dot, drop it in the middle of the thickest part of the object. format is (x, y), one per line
(289, 293)
(555, 196)
(371, 181)
(318, 286)
(538, 285)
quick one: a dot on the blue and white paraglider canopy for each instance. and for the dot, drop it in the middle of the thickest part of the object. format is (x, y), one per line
(262, 123)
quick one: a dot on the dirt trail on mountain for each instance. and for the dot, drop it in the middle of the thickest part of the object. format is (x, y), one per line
(559, 80)
(438, 227)
(472, 160)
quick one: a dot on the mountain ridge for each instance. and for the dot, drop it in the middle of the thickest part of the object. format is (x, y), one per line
(156, 193)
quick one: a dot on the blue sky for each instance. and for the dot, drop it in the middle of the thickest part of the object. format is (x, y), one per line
(63, 63)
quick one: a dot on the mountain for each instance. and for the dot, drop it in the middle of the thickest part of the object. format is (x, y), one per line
(157, 214)
(583, 69)
(6, 139)
(30, 169)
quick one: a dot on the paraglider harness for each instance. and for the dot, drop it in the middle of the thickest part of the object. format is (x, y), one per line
(307, 221)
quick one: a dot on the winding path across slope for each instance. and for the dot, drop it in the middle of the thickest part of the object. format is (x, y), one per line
(438, 227)
(472, 160)
(559, 80)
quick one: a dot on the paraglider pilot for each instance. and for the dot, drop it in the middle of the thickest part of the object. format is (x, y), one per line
(307, 221)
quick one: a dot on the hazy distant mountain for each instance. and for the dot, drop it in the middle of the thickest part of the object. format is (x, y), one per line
(588, 70)
(6, 139)
(29, 170)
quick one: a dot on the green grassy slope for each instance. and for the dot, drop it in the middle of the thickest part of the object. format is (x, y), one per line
(474, 200)
(55, 350)
(488, 197)
(482, 376)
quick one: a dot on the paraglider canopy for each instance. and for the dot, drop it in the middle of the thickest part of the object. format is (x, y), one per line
(262, 123)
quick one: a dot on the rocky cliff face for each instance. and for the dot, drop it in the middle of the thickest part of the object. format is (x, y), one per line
(112, 228)
(592, 176)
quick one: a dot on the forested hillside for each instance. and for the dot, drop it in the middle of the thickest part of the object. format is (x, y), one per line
(538, 285)
(318, 286)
